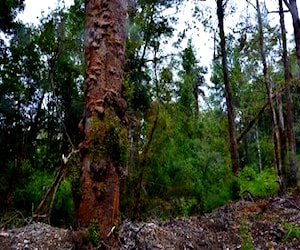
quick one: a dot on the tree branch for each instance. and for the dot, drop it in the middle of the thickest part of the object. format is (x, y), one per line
(276, 11)
(251, 4)
(288, 6)
(254, 120)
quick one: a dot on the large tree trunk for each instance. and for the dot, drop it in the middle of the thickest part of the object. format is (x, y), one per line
(230, 110)
(104, 147)
(293, 168)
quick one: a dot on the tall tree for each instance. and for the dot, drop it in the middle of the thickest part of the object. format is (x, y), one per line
(228, 94)
(293, 168)
(269, 88)
(292, 6)
(8, 11)
(20, 84)
(145, 80)
(192, 79)
(104, 146)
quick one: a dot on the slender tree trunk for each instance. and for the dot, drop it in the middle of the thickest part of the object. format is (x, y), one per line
(104, 147)
(139, 187)
(230, 110)
(293, 168)
(296, 25)
(260, 168)
(292, 6)
(269, 88)
(281, 128)
(196, 96)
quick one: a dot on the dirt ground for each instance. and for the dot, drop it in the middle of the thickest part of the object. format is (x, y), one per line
(249, 223)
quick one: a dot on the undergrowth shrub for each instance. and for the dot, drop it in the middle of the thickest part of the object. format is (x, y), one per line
(29, 195)
(259, 184)
(220, 193)
(186, 170)
(31, 190)
(63, 209)
(91, 235)
(188, 206)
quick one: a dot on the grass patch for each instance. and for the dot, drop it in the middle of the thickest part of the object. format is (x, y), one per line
(292, 232)
(246, 236)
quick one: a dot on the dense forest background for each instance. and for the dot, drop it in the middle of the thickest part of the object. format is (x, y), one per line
(198, 132)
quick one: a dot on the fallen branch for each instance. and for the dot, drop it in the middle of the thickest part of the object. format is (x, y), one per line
(12, 218)
(53, 188)
(293, 204)
(8, 221)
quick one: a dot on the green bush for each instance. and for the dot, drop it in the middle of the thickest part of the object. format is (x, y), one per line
(187, 167)
(292, 232)
(219, 194)
(259, 184)
(188, 206)
(91, 235)
(30, 194)
(63, 208)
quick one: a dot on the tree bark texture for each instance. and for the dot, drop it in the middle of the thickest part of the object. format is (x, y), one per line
(293, 168)
(230, 109)
(104, 146)
(292, 6)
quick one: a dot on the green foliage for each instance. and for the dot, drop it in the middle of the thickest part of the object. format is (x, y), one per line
(30, 194)
(63, 209)
(292, 232)
(8, 11)
(183, 167)
(246, 236)
(185, 159)
(192, 76)
(91, 234)
(259, 184)
(220, 193)
(129, 88)
(40, 107)
(116, 140)
(188, 206)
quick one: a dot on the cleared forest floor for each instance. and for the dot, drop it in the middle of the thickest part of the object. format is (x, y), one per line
(268, 223)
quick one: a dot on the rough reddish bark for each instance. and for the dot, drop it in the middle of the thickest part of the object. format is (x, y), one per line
(104, 111)
(230, 110)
